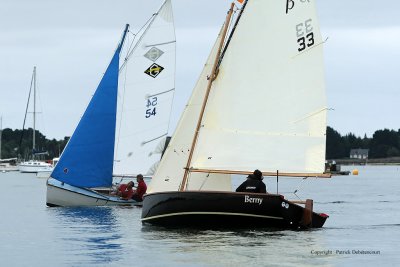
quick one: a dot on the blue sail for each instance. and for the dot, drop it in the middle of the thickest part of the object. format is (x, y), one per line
(87, 161)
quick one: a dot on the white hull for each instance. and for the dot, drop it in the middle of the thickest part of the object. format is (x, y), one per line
(8, 168)
(64, 195)
(34, 166)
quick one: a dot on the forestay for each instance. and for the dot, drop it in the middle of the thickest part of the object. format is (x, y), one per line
(145, 96)
(267, 106)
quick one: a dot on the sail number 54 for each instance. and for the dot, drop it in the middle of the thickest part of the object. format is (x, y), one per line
(305, 35)
(151, 107)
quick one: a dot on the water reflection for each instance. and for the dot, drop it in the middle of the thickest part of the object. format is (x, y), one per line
(90, 234)
(258, 247)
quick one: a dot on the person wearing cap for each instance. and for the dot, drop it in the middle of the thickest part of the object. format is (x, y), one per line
(140, 190)
(253, 183)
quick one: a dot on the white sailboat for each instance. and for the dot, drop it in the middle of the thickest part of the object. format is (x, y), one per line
(33, 165)
(45, 173)
(124, 122)
(258, 104)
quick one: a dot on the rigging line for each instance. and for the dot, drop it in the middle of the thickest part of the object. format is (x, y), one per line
(148, 23)
(135, 34)
(165, 43)
(122, 104)
(204, 182)
(298, 188)
(311, 114)
(148, 96)
(146, 142)
(231, 34)
(42, 117)
(26, 111)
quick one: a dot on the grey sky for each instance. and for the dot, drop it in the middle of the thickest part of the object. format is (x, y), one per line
(71, 43)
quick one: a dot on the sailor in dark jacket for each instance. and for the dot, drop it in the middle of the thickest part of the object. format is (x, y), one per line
(253, 184)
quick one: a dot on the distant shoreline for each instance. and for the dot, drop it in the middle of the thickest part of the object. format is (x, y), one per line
(382, 161)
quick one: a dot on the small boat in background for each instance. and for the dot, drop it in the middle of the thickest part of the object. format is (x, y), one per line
(45, 173)
(33, 165)
(8, 165)
(334, 169)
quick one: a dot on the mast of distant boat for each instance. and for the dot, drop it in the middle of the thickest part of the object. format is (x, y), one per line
(34, 111)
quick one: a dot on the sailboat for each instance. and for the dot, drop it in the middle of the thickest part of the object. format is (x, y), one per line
(33, 165)
(259, 104)
(124, 122)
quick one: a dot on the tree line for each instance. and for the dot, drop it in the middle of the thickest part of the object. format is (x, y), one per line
(383, 144)
(19, 144)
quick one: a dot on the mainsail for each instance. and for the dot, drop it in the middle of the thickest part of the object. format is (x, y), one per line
(87, 160)
(267, 104)
(147, 86)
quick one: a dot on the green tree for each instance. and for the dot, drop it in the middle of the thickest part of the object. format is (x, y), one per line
(384, 143)
(335, 147)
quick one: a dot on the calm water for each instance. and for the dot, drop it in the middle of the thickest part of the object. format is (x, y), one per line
(364, 215)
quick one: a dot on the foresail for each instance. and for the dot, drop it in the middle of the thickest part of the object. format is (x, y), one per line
(170, 171)
(147, 85)
(267, 106)
(88, 157)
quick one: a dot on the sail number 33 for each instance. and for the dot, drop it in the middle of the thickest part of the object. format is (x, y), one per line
(151, 107)
(305, 35)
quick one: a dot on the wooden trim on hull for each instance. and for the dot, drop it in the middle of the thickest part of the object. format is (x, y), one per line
(224, 209)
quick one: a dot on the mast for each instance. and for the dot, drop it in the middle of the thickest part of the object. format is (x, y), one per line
(34, 111)
(210, 81)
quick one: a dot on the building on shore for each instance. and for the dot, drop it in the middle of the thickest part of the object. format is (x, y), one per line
(359, 153)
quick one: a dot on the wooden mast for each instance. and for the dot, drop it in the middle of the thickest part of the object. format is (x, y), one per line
(210, 81)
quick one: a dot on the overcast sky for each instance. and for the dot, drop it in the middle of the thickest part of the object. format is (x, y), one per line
(72, 41)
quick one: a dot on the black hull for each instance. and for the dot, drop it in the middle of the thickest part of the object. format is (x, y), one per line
(224, 209)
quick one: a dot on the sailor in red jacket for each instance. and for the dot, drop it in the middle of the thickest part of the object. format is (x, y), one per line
(125, 191)
(140, 190)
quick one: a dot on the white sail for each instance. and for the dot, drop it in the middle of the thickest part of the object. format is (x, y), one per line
(267, 106)
(170, 171)
(146, 90)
